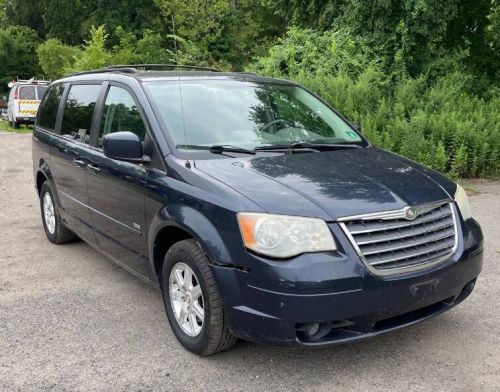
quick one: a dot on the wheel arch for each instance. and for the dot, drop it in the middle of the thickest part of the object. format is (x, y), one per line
(177, 223)
(40, 179)
(42, 174)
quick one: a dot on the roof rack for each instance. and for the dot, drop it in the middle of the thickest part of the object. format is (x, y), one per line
(160, 66)
(28, 81)
(104, 70)
(136, 68)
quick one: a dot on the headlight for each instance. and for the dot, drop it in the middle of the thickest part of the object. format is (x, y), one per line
(284, 236)
(463, 202)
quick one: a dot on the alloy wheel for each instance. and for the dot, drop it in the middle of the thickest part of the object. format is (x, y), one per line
(186, 299)
(49, 213)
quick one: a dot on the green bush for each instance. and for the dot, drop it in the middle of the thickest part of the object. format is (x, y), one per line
(56, 58)
(434, 119)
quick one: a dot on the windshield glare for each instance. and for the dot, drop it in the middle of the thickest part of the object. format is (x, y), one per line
(246, 115)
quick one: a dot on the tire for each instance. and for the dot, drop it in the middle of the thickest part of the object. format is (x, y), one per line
(214, 336)
(55, 230)
(16, 125)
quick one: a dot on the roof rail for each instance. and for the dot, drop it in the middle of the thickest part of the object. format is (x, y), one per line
(105, 70)
(159, 66)
(136, 68)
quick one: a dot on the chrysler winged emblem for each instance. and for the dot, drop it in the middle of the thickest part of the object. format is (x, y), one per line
(410, 213)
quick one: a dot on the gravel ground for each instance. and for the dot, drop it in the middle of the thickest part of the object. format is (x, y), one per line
(72, 320)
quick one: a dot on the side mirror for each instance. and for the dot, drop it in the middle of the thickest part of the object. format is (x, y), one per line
(124, 146)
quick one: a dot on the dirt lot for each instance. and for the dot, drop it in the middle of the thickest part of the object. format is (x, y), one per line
(72, 320)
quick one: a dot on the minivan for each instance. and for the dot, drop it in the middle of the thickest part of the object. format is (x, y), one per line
(259, 210)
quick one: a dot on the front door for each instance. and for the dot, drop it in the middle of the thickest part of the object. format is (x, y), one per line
(70, 156)
(116, 193)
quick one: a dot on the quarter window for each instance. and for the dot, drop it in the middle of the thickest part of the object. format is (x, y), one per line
(48, 112)
(78, 111)
(120, 114)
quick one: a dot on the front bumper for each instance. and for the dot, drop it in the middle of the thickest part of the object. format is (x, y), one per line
(276, 303)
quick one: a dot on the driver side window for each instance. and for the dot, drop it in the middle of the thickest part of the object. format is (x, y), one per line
(120, 114)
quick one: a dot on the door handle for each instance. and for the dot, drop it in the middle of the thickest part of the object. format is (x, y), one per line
(79, 162)
(93, 168)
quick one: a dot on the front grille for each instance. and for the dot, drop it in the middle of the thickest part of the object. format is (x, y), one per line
(391, 241)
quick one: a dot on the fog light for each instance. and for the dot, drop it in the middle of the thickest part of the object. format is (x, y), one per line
(311, 329)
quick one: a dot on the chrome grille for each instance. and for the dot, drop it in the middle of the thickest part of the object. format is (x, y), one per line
(389, 242)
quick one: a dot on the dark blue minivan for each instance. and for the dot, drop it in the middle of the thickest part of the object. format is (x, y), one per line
(260, 212)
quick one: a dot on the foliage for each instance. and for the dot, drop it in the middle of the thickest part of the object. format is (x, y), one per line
(404, 33)
(302, 52)
(430, 118)
(94, 53)
(17, 53)
(56, 58)
(5, 127)
(228, 33)
(421, 76)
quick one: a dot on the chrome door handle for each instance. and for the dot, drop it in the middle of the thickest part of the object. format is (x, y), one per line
(79, 162)
(95, 169)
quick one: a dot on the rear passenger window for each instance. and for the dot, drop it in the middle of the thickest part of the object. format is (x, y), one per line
(78, 111)
(48, 111)
(120, 115)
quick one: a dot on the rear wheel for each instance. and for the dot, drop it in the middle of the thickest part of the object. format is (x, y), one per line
(55, 230)
(192, 301)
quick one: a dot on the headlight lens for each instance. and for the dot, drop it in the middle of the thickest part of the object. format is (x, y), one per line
(284, 236)
(463, 202)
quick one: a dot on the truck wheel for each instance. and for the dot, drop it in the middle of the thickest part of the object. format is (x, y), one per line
(192, 301)
(16, 125)
(55, 231)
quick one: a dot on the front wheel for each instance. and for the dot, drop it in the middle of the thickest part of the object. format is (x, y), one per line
(192, 301)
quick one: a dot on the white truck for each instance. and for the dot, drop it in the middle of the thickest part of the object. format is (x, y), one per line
(24, 99)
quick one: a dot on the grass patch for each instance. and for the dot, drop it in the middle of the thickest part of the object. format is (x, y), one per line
(4, 126)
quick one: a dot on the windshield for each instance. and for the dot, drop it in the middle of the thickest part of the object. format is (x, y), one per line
(246, 115)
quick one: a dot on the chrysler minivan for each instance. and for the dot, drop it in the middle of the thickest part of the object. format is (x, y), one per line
(259, 211)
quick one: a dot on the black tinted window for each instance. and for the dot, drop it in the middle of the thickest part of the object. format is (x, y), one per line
(48, 112)
(78, 111)
(120, 115)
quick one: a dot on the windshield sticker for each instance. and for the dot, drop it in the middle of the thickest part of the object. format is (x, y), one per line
(353, 135)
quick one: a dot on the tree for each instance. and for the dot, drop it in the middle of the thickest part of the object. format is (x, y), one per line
(25, 13)
(198, 21)
(18, 58)
(56, 59)
(150, 48)
(404, 33)
(94, 53)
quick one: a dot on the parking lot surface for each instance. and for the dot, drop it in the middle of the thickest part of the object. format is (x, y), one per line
(72, 320)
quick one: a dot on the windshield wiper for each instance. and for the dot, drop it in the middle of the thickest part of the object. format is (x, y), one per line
(216, 148)
(307, 146)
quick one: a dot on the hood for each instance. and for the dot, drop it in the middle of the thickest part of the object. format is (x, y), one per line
(333, 183)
